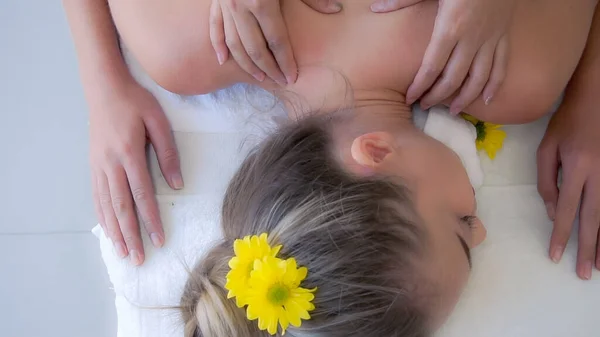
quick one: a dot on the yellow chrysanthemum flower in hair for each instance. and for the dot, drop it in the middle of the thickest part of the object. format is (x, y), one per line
(247, 250)
(490, 137)
(275, 296)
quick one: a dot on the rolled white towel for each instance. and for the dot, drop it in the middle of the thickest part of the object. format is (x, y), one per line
(459, 135)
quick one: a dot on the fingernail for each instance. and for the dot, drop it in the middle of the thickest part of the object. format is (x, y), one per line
(410, 96)
(120, 249)
(136, 257)
(282, 81)
(289, 79)
(335, 6)
(378, 7)
(157, 240)
(220, 58)
(587, 270)
(177, 181)
(550, 211)
(488, 99)
(557, 253)
(455, 110)
(259, 76)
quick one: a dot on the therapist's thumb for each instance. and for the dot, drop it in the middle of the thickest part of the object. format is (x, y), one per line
(324, 6)
(383, 6)
(161, 137)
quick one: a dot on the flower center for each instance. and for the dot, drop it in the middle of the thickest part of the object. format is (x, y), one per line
(278, 294)
(480, 127)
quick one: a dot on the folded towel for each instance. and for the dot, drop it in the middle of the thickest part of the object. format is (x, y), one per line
(459, 135)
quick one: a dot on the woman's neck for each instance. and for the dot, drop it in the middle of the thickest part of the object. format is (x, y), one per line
(314, 93)
(382, 115)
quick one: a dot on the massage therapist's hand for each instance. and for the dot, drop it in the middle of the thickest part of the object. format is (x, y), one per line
(468, 51)
(254, 32)
(121, 123)
(572, 142)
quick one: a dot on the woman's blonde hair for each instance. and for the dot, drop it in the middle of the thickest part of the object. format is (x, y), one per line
(359, 238)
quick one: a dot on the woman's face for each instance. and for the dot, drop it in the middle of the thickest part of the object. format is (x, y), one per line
(443, 197)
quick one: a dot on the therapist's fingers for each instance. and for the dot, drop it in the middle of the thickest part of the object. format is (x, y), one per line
(124, 211)
(478, 77)
(217, 32)
(113, 231)
(453, 76)
(159, 132)
(547, 169)
(566, 209)
(234, 43)
(436, 56)
(498, 73)
(97, 206)
(382, 6)
(589, 223)
(253, 40)
(142, 191)
(278, 42)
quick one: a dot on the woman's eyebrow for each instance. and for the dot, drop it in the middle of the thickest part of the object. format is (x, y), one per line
(463, 243)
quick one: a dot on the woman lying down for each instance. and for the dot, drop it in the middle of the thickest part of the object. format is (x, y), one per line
(349, 221)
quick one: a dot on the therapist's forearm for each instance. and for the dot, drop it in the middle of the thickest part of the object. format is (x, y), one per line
(584, 88)
(101, 64)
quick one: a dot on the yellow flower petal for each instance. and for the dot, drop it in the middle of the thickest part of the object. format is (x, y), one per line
(272, 324)
(293, 316)
(247, 251)
(490, 137)
(283, 320)
(275, 251)
(274, 295)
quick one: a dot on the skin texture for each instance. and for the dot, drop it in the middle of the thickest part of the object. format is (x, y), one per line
(467, 53)
(546, 40)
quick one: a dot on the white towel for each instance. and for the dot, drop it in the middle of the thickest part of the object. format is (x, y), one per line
(459, 135)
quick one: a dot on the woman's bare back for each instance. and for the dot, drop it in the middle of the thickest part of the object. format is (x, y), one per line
(378, 54)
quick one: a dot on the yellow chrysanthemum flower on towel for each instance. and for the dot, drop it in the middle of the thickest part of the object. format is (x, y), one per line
(490, 137)
(247, 250)
(275, 296)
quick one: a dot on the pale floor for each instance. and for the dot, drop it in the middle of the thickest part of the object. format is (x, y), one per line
(52, 279)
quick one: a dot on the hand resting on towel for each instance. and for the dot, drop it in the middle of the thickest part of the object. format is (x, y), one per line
(572, 142)
(123, 117)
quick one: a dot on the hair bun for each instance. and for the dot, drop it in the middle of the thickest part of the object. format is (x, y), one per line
(206, 310)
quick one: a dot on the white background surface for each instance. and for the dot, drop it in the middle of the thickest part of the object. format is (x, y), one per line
(52, 280)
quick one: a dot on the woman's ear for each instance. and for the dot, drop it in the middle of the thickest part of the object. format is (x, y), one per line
(372, 149)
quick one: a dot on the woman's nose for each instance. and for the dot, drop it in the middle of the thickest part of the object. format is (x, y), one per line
(480, 233)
